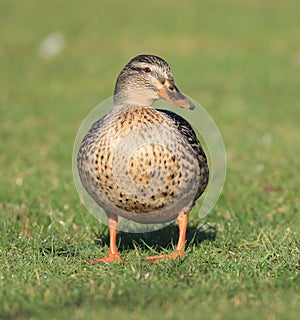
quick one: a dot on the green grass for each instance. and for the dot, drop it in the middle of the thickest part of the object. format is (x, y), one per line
(241, 61)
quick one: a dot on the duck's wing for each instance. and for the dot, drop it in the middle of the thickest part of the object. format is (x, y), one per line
(189, 134)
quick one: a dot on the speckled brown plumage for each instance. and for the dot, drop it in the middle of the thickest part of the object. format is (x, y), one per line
(140, 163)
(154, 168)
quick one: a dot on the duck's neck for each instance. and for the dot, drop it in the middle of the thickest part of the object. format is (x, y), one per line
(133, 98)
(126, 94)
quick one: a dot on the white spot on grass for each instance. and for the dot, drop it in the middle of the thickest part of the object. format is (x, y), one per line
(19, 181)
(62, 223)
(52, 45)
(266, 138)
(259, 167)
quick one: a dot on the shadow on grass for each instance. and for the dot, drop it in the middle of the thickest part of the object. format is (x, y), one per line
(160, 240)
(163, 239)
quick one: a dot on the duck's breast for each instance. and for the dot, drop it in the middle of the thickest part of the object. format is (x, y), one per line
(140, 166)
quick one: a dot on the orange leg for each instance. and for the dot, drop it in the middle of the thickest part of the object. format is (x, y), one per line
(180, 250)
(113, 254)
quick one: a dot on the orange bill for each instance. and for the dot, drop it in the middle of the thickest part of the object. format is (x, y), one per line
(170, 93)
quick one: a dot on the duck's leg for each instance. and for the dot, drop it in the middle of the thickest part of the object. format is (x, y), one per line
(180, 248)
(113, 254)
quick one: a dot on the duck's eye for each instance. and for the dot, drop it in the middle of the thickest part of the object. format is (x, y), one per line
(147, 69)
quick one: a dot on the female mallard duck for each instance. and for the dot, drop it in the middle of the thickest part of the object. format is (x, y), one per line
(140, 163)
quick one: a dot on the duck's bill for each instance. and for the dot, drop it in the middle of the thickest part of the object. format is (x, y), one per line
(174, 96)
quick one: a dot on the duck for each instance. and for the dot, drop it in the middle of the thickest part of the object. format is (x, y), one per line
(141, 163)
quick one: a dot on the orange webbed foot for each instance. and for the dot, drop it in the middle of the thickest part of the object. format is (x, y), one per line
(109, 259)
(180, 250)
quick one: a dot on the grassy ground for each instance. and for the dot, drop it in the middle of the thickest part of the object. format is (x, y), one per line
(241, 61)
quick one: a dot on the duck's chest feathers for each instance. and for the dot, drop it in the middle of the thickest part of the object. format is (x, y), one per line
(139, 163)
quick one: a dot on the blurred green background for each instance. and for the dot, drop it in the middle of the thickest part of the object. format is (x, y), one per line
(241, 61)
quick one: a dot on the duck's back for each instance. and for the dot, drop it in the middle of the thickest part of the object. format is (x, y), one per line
(143, 164)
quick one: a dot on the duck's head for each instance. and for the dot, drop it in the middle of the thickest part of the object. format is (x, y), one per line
(147, 78)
